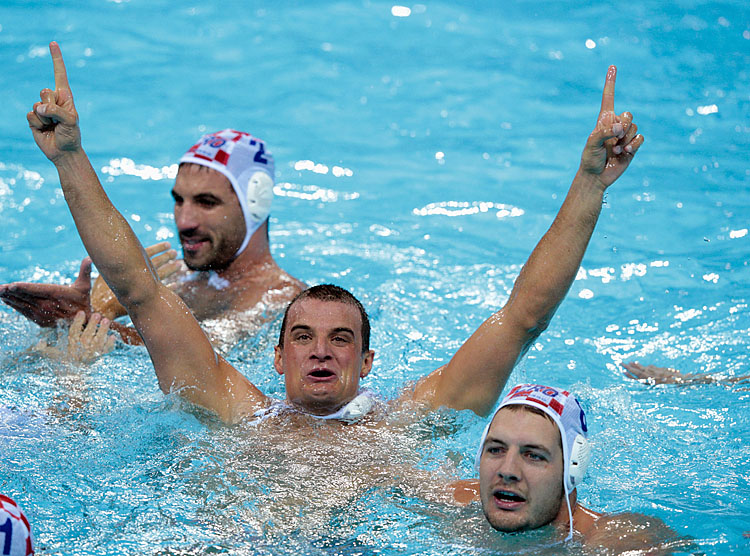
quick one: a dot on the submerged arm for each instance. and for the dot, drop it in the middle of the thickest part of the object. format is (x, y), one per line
(477, 373)
(183, 358)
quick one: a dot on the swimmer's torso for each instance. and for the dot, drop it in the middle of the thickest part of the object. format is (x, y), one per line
(300, 471)
(227, 311)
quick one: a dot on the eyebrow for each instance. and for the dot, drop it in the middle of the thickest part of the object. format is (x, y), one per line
(205, 196)
(539, 447)
(198, 196)
(336, 330)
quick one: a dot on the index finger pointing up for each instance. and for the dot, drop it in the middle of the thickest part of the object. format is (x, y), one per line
(608, 96)
(61, 76)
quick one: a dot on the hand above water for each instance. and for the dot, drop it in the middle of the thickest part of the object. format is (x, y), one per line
(614, 141)
(85, 342)
(54, 120)
(45, 304)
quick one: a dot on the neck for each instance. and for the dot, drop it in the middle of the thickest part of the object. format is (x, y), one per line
(318, 410)
(321, 410)
(562, 518)
(255, 260)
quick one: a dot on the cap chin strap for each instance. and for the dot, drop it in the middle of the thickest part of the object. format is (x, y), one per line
(357, 408)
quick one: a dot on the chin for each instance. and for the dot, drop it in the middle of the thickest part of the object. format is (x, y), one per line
(322, 403)
(205, 265)
(195, 266)
(504, 525)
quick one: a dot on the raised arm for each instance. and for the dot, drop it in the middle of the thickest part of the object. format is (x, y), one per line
(183, 357)
(476, 375)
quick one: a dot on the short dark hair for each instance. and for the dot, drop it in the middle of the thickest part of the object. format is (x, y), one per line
(329, 292)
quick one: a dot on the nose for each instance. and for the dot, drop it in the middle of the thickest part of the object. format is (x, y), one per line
(321, 349)
(185, 217)
(509, 467)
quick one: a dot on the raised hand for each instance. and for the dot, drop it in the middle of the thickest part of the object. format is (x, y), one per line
(45, 304)
(54, 120)
(614, 141)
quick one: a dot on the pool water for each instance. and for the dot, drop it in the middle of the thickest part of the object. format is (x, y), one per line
(420, 158)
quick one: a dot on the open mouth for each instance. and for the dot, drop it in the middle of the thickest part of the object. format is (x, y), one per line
(320, 375)
(508, 500)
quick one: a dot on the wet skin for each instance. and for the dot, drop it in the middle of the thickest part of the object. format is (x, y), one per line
(208, 216)
(322, 359)
(520, 473)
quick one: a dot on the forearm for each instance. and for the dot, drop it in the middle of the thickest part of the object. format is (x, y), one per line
(108, 238)
(553, 265)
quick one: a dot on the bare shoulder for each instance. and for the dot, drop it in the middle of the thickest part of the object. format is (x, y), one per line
(282, 289)
(623, 532)
(288, 282)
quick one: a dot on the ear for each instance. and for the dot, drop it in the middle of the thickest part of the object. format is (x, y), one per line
(367, 360)
(278, 359)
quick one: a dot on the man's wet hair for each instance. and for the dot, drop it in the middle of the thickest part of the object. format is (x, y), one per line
(329, 292)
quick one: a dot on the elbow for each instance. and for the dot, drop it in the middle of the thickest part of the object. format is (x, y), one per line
(137, 293)
(533, 323)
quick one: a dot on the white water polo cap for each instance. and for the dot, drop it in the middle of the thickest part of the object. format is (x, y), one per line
(15, 531)
(566, 412)
(247, 165)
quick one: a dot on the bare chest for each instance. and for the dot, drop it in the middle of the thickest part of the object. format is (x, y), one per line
(211, 299)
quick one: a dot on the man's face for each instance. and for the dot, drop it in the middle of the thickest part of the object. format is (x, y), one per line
(322, 359)
(520, 472)
(208, 216)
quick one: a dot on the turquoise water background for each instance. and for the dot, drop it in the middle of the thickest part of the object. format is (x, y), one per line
(419, 160)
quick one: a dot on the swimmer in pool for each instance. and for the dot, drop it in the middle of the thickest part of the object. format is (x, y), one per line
(533, 454)
(222, 198)
(323, 349)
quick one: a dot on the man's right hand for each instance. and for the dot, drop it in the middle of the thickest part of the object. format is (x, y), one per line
(45, 304)
(54, 120)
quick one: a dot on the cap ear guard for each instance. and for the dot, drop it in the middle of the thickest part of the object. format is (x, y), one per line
(259, 195)
(580, 455)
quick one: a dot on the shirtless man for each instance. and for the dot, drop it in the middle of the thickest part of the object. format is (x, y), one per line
(222, 198)
(533, 454)
(323, 350)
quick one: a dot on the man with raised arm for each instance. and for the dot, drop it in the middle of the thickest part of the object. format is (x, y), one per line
(323, 349)
(222, 198)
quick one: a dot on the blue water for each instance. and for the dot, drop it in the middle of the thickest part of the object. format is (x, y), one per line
(357, 104)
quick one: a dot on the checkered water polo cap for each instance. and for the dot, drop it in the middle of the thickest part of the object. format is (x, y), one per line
(247, 165)
(568, 415)
(15, 531)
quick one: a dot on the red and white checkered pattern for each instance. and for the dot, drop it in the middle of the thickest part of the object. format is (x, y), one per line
(15, 531)
(541, 395)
